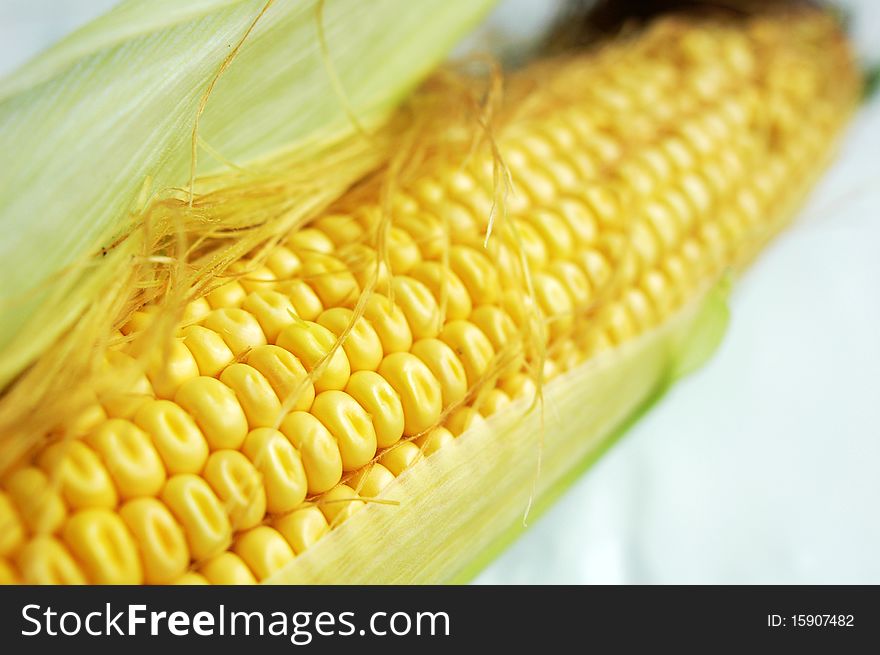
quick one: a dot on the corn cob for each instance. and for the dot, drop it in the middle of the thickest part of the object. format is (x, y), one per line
(295, 394)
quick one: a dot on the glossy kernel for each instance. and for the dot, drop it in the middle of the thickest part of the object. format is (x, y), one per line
(390, 323)
(175, 435)
(264, 550)
(101, 542)
(80, 475)
(238, 328)
(256, 396)
(419, 391)
(239, 487)
(350, 426)
(130, 458)
(311, 344)
(227, 568)
(216, 410)
(362, 345)
(445, 366)
(302, 528)
(381, 403)
(286, 375)
(46, 560)
(280, 466)
(321, 458)
(160, 539)
(200, 513)
(471, 346)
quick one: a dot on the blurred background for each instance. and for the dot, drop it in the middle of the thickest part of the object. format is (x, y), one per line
(764, 466)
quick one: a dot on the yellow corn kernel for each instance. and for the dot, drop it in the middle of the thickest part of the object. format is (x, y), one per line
(434, 440)
(340, 229)
(370, 481)
(494, 401)
(523, 237)
(664, 225)
(554, 231)
(159, 537)
(639, 308)
(254, 393)
(519, 386)
(273, 311)
(575, 282)
(477, 273)
(99, 540)
(463, 419)
(350, 426)
(8, 574)
(227, 568)
(139, 320)
(231, 294)
(389, 321)
(170, 368)
(446, 287)
(471, 346)
(305, 301)
(239, 487)
(381, 403)
(445, 366)
(45, 560)
(403, 253)
(331, 280)
(175, 435)
(502, 333)
(604, 202)
(419, 391)
(200, 513)
(618, 323)
(130, 458)
(418, 306)
(400, 457)
(659, 292)
(311, 344)
(253, 279)
(321, 458)
(309, 240)
(427, 231)
(264, 550)
(285, 373)
(191, 578)
(11, 526)
(280, 466)
(302, 528)
(555, 302)
(362, 261)
(216, 410)
(209, 350)
(362, 345)
(238, 328)
(83, 421)
(39, 504)
(129, 387)
(339, 504)
(596, 266)
(580, 219)
(195, 311)
(283, 262)
(79, 473)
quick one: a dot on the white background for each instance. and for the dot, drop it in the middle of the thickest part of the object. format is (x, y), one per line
(762, 467)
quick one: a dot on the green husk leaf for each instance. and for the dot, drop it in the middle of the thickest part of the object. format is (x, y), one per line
(102, 122)
(461, 506)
